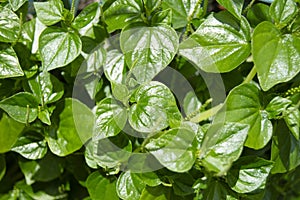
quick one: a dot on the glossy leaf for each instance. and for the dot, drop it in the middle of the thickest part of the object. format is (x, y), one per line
(277, 106)
(16, 4)
(2, 166)
(9, 62)
(279, 65)
(174, 149)
(154, 108)
(101, 187)
(283, 11)
(123, 12)
(23, 107)
(75, 127)
(130, 186)
(222, 146)
(112, 152)
(181, 10)
(285, 151)
(243, 105)
(111, 118)
(248, 174)
(220, 44)
(94, 61)
(49, 12)
(292, 120)
(148, 50)
(46, 87)
(46, 169)
(30, 147)
(9, 25)
(114, 66)
(87, 17)
(58, 47)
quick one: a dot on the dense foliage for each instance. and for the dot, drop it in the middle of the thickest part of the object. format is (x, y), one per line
(149, 99)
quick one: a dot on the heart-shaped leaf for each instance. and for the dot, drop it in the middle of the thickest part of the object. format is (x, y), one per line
(279, 65)
(58, 47)
(9, 25)
(220, 44)
(148, 50)
(49, 12)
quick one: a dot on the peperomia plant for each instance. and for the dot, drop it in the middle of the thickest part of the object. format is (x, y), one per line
(149, 99)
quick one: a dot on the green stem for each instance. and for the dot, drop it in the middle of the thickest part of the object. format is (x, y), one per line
(249, 6)
(205, 6)
(73, 8)
(250, 75)
(206, 114)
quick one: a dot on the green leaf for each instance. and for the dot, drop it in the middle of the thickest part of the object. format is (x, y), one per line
(258, 13)
(220, 44)
(75, 127)
(46, 87)
(30, 147)
(114, 66)
(9, 62)
(148, 50)
(181, 10)
(113, 151)
(222, 146)
(130, 186)
(46, 169)
(14, 128)
(277, 106)
(191, 104)
(2, 166)
(101, 187)
(87, 17)
(249, 174)
(123, 12)
(280, 64)
(58, 47)
(49, 12)
(111, 118)
(22, 107)
(235, 7)
(292, 120)
(283, 11)
(285, 151)
(10, 25)
(154, 108)
(243, 105)
(174, 149)
(16, 4)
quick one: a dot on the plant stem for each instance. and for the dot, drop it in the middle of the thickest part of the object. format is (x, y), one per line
(205, 6)
(73, 8)
(206, 114)
(250, 75)
(248, 6)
